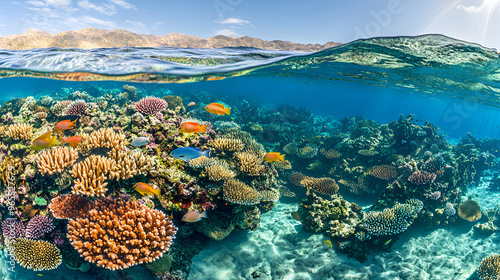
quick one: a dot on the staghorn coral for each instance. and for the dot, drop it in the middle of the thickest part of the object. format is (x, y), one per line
(36, 255)
(392, 220)
(238, 192)
(489, 269)
(384, 172)
(54, 160)
(330, 154)
(76, 108)
(3, 129)
(70, 206)
(308, 151)
(150, 105)
(469, 210)
(13, 228)
(268, 195)
(9, 166)
(324, 185)
(422, 178)
(227, 144)
(202, 161)
(90, 175)
(250, 163)
(102, 138)
(219, 171)
(38, 226)
(119, 234)
(128, 165)
(291, 148)
(20, 131)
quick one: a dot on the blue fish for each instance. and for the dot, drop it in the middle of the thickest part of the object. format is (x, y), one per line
(140, 141)
(187, 153)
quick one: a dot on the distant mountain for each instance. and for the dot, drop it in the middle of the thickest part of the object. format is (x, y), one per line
(97, 38)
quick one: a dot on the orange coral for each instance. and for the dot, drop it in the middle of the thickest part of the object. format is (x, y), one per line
(70, 206)
(119, 234)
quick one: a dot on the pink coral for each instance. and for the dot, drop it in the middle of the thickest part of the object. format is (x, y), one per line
(38, 226)
(422, 177)
(150, 105)
(12, 228)
(76, 108)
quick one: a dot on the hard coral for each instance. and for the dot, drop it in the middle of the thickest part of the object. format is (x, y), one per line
(469, 210)
(238, 192)
(384, 172)
(35, 254)
(52, 161)
(70, 206)
(38, 226)
(12, 228)
(489, 269)
(119, 234)
(76, 108)
(20, 131)
(392, 220)
(422, 177)
(150, 105)
(90, 175)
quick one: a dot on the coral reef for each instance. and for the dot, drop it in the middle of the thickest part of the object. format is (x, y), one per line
(36, 255)
(150, 105)
(38, 226)
(392, 220)
(489, 269)
(54, 160)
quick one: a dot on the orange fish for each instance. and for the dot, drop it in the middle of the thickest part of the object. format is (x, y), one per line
(44, 141)
(212, 78)
(270, 157)
(219, 109)
(192, 127)
(73, 141)
(192, 104)
(64, 125)
(146, 189)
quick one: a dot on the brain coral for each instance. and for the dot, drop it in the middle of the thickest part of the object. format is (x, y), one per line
(489, 269)
(119, 234)
(35, 254)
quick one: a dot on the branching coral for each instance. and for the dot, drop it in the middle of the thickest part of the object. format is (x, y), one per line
(126, 166)
(90, 175)
(52, 161)
(367, 152)
(150, 105)
(392, 220)
(422, 177)
(10, 165)
(227, 144)
(70, 206)
(102, 138)
(250, 163)
(489, 269)
(202, 161)
(268, 195)
(219, 171)
(60, 107)
(20, 131)
(323, 185)
(291, 148)
(76, 108)
(38, 226)
(35, 254)
(384, 172)
(238, 192)
(13, 228)
(118, 234)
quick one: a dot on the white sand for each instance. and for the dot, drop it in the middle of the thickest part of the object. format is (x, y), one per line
(279, 249)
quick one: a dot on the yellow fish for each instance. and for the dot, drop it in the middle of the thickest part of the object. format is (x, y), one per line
(328, 243)
(44, 141)
(270, 157)
(387, 242)
(146, 189)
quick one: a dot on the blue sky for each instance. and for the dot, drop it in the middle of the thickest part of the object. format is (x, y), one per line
(313, 21)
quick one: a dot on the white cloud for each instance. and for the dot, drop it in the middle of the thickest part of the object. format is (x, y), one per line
(58, 3)
(227, 32)
(157, 24)
(470, 9)
(108, 10)
(36, 3)
(137, 27)
(123, 4)
(233, 21)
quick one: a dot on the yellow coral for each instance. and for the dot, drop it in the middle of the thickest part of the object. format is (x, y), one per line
(10, 165)
(201, 161)
(91, 175)
(238, 192)
(54, 160)
(219, 171)
(250, 163)
(36, 255)
(227, 144)
(20, 131)
(489, 269)
(102, 138)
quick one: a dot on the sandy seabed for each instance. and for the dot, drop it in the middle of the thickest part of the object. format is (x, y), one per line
(280, 249)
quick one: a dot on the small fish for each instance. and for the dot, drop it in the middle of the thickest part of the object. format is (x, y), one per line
(187, 153)
(44, 141)
(403, 141)
(328, 243)
(194, 216)
(40, 274)
(73, 141)
(192, 127)
(212, 78)
(64, 125)
(146, 189)
(296, 216)
(140, 141)
(387, 242)
(270, 157)
(192, 104)
(219, 109)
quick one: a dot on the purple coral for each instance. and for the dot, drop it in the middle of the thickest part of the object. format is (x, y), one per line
(150, 105)
(422, 178)
(38, 226)
(76, 108)
(12, 228)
